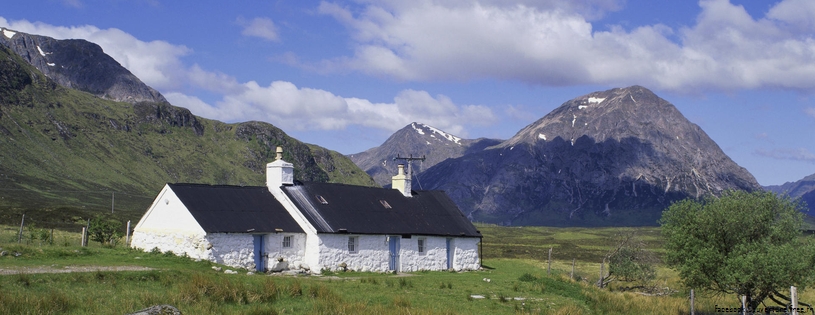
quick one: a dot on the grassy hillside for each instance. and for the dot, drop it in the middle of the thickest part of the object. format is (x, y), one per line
(67, 151)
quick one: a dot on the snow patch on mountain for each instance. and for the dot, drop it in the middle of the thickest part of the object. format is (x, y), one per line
(421, 127)
(596, 100)
(9, 33)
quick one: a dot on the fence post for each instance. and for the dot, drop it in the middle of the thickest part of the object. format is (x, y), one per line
(602, 273)
(794, 300)
(127, 238)
(549, 267)
(52, 237)
(571, 275)
(20, 236)
(82, 243)
(691, 303)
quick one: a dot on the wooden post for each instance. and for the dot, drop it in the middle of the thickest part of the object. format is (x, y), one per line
(602, 273)
(127, 238)
(794, 300)
(82, 244)
(692, 312)
(571, 275)
(20, 236)
(51, 240)
(549, 267)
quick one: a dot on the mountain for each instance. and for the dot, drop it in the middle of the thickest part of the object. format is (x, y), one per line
(803, 188)
(81, 65)
(417, 140)
(616, 157)
(66, 154)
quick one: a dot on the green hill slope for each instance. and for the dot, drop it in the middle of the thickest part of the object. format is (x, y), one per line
(68, 154)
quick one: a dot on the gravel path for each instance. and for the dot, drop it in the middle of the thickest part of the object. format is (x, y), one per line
(67, 269)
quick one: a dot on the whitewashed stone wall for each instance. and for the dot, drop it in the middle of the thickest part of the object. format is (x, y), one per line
(372, 253)
(180, 243)
(294, 255)
(466, 255)
(434, 257)
(232, 249)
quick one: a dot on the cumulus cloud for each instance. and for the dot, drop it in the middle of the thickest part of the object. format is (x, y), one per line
(554, 45)
(259, 27)
(281, 103)
(290, 107)
(799, 154)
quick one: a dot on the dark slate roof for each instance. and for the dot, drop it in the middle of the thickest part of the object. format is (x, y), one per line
(339, 208)
(235, 209)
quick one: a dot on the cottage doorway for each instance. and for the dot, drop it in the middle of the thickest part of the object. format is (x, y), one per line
(393, 248)
(260, 255)
(450, 253)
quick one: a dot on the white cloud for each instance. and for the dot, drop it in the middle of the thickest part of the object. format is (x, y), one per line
(799, 154)
(259, 27)
(281, 103)
(551, 45)
(810, 111)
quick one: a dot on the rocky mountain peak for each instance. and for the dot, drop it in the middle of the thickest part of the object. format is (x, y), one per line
(615, 157)
(416, 139)
(81, 65)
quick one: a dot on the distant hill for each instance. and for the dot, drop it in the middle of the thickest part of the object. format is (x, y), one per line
(803, 188)
(417, 140)
(616, 157)
(68, 154)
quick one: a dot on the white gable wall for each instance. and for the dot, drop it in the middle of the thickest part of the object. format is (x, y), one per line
(169, 226)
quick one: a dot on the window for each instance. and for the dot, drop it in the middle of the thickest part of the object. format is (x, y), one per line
(385, 204)
(353, 244)
(286, 241)
(422, 244)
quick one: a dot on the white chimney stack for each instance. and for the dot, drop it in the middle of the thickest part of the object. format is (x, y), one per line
(279, 172)
(401, 182)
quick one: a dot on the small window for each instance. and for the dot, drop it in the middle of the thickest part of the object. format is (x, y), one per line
(322, 200)
(353, 244)
(385, 204)
(422, 244)
(286, 241)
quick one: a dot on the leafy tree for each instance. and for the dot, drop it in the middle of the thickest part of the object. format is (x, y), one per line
(740, 243)
(104, 230)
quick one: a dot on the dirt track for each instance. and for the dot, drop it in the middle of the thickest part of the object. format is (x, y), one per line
(68, 269)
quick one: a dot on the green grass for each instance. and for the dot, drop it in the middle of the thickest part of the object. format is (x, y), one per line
(518, 284)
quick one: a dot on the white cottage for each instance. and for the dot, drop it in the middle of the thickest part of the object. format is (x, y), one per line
(336, 226)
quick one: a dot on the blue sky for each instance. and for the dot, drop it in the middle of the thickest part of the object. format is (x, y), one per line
(347, 74)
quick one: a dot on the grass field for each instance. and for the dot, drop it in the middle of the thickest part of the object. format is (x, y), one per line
(515, 261)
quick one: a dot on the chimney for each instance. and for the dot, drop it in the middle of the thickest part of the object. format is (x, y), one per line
(401, 182)
(279, 172)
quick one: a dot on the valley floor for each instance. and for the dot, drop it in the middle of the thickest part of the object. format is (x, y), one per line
(514, 281)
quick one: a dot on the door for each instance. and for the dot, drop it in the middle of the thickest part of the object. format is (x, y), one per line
(450, 253)
(260, 255)
(393, 248)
